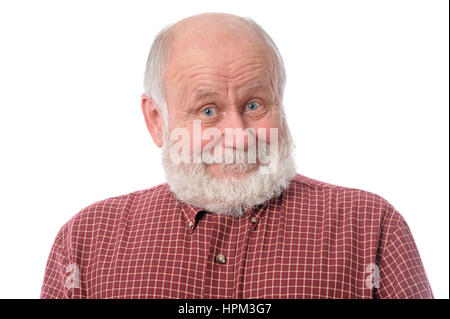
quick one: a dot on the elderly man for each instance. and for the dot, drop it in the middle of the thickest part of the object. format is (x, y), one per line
(234, 220)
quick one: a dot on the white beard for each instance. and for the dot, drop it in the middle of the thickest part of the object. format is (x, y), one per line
(194, 184)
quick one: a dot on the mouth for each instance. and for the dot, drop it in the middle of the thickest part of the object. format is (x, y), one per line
(232, 170)
(238, 168)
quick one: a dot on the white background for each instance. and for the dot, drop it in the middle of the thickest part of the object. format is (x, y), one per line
(366, 99)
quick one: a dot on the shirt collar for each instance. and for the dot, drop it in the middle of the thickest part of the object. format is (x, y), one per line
(192, 213)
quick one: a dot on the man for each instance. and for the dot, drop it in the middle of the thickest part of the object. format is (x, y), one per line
(234, 220)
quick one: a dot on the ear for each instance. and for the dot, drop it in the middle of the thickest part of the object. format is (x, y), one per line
(153, 119)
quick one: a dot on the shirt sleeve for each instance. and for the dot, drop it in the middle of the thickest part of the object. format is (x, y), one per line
(54, 285)
(401, 272)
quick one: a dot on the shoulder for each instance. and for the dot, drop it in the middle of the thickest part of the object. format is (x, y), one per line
(319, 188)
(343, 200)
(108, 213)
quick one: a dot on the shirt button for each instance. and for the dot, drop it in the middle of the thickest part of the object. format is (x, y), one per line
(254, 220)
(191, 224)
(221, 259)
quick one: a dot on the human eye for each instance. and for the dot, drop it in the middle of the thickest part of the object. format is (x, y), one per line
(209, 111)
(256, 109)
(252, 106)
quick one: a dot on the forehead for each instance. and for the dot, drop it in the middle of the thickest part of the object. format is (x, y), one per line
(221, 58)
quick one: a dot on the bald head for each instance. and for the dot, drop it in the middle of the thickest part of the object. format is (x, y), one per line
(211, 33)
(214, 33)
(214, 28)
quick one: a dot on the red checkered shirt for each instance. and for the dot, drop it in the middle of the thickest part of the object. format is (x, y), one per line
(315, 240)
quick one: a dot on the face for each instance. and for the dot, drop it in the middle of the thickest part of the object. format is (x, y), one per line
(226, 84)
(223, 81)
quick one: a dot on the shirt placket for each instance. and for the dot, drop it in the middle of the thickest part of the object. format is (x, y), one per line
(249, 224)
(221, 260)
(226, 263)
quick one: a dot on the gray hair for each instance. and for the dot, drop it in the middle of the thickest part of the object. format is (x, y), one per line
(158, 56)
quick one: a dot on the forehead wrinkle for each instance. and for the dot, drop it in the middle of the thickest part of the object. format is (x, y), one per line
(251, 86)
(201, 72)
(201, 81)
(196, 76)
(248, 77)
(201, 93)
(230, 67)
(254, 70)
(257, 81)
(259, 57)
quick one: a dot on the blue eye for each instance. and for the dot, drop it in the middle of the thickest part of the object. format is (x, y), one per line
(252, 106)
(210, 111)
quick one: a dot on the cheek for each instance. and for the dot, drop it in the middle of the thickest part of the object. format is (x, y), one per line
(264, 126)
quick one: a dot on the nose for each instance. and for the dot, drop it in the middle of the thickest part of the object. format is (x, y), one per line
(234, 134)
